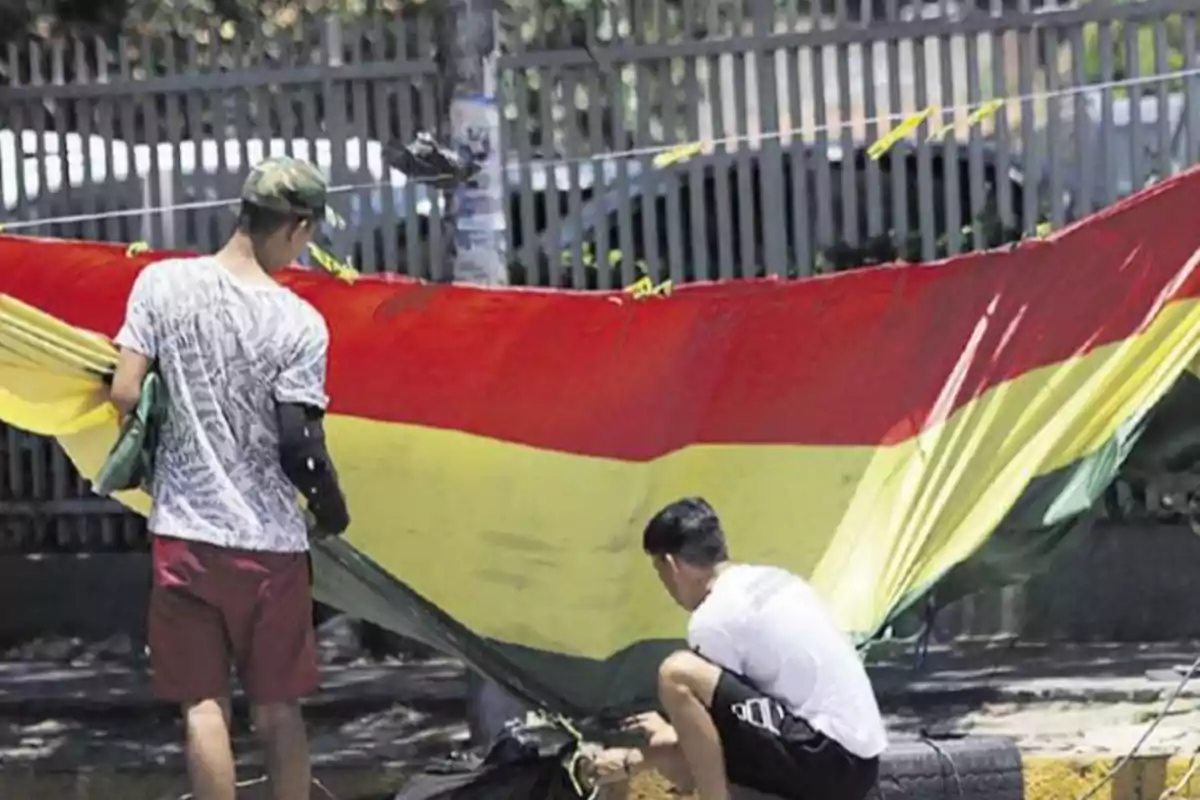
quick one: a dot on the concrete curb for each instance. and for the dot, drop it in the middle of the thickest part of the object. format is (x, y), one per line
(1144, 778)
(1046, 778)
(367, 782)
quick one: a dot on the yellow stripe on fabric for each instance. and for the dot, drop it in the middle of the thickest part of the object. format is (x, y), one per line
(913, 516)
(543, 549)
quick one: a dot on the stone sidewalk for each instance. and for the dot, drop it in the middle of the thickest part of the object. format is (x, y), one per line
(94, 731)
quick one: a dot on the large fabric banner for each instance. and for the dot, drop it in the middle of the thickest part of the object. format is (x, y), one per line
(501, 450)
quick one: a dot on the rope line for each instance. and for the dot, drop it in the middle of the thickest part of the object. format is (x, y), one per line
(667, 154)
(1162, 714)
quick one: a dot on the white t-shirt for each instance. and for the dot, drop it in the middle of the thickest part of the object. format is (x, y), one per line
(227, 352)
(770, 627)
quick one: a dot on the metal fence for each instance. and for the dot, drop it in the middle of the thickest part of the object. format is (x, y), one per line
(1034, 116)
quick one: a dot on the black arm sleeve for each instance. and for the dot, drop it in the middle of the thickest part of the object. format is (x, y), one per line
(307, 463)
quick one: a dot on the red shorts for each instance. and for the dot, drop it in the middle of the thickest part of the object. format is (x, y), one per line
(216, 608)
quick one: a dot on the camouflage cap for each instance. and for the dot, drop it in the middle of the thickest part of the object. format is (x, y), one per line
(287, 184)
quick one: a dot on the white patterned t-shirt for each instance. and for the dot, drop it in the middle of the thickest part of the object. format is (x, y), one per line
(227, 352)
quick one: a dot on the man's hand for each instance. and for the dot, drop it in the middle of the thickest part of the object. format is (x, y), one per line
(658, 731)
(613, 765)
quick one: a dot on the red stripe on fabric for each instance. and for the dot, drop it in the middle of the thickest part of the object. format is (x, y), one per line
(869, 357)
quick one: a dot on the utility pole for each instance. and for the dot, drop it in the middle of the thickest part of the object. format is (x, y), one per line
(475, 222)
(475, 217)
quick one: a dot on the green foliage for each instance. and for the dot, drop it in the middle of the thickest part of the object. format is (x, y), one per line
(886, 248)
(1142, 58)
(889, 248)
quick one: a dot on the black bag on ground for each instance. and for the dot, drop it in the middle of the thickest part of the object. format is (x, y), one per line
(523, 763)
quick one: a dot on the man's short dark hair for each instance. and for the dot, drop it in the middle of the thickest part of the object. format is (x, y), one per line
(255, 220)
(688, 529)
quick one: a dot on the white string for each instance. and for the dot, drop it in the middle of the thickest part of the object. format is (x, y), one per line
(653, 150)
(1162, 714)
(133, 212)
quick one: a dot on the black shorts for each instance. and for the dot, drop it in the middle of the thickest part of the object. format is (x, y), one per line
(770, 750)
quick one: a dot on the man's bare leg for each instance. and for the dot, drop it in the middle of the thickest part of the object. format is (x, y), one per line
(209, 750)
(686, 684)
(280, 728)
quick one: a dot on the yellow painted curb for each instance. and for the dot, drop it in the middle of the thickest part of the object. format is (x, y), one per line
(1144, 778)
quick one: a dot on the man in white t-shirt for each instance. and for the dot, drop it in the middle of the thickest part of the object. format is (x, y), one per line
(771, 696)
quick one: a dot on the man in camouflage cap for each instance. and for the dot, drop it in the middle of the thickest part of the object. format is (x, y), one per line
(242, 359)
(290, 186)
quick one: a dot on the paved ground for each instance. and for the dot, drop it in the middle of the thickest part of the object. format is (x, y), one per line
(93, 731)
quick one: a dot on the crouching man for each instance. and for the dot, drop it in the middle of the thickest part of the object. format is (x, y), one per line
(771, 696)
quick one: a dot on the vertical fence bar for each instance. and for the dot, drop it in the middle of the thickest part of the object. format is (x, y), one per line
(896, 166)
(22, 530)
(801, 185)
(368, 176)
(824, 179)
(158, 232)
(722, 161)
(598, 159)
(951, 167)
(416, 247)
(284, 102)
(574, 152)
(747, 250)
(334, 89)
(23, 202)
(70, 164)
(438, 268)
(977, 200)
(874, 201)
(925, 204)
(245, 123)
(547, 167)
(531, 254)
(87, 161)
(672, 177)
(1191, 89)
(698, 255)
(1108, 192)
(1030, 161)
(1163, 166)
(850, 233)
(110, 135)
(133, 228)
(772, 221)
(623, 274)
(222, 137)
(1055, 157)
(310, 127)
(383, 124)
(650, 178)
(197, 233)
(1003, 124)
(67, 530)
(1133, 93)
(39, 154)
(1082, 198)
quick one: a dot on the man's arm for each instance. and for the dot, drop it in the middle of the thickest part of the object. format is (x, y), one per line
(126, 389)
(300, 408)
(138, 343)
(307, 464)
